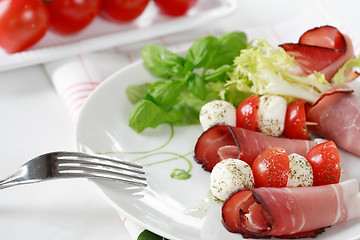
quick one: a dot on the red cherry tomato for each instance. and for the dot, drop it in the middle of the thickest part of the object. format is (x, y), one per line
(271, 168)
(295, 121)
(72, 16)
(175, 7)
(246, 113)
(325, 161)
(22, 23)
(123, 10)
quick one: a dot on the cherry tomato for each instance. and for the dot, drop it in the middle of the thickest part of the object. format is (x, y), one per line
(246, 113)
(295, 121)
(175, 7)
(72, 16)
(325, 161)
(271, 168)
(22, 23)
(124, 10)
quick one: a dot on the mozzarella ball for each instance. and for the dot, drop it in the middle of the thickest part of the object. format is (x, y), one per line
(229, 175)
(217, 111)
(301, 173)
(271, 115)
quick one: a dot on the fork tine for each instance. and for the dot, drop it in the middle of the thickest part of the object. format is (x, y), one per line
(91, 156)
(70, 164)
(96, 169)
(102, 176)
(90, 163)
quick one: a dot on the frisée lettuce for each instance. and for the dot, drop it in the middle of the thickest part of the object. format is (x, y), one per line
(343, 72)
(266, 69)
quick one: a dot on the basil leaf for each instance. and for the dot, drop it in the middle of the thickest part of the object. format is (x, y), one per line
(211, 52)
(146, 114)
(135, 93)
(202, 51)
(162, 62)
(147, 235)
(166, 93)
(196, 86)
(218, 75)
(230, 45)
(190, 117)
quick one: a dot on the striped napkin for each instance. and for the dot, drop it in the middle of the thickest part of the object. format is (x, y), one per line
(74, 78)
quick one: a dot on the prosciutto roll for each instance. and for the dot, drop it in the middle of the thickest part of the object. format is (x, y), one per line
(337, 114)
(249, 144)
(323, 49)
(290, 212)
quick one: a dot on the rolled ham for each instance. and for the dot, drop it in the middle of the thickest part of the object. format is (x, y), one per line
(290, 212)
(330, 70)
(323, 49)
(337, 114)
(249, 144)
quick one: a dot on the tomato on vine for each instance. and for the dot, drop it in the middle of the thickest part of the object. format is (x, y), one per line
(72, 16)
(22, 23)
(123, 10)
(175, 7)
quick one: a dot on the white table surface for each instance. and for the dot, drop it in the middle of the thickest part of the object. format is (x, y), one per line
(33, 121)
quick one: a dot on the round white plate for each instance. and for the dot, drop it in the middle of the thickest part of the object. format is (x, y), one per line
(175, 209)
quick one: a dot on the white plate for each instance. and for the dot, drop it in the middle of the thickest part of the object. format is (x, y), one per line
(102, 34)
(175, 209)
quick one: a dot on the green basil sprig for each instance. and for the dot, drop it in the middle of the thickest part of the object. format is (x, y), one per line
(185, 82)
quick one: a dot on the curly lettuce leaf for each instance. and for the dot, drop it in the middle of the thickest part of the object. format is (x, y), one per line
(265, 69)
(342, 74)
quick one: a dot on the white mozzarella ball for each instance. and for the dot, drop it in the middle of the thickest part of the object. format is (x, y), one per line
(228, 176)
(301, 173)
(217, 111)
(271, 115)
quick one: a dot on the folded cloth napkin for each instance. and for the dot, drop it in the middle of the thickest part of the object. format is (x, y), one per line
(74, 78)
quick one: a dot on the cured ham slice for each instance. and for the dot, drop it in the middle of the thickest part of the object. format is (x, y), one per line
(337, 114)
(325, 36)
(228, 151)
(322, 49)
(331, 69)
(249, 144)
(312, 58)
(290, 212)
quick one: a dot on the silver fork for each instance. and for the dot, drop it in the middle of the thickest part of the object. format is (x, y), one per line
(60, 165)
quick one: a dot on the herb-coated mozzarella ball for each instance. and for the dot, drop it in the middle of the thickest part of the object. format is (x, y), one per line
(301, 173)
(228, 176)
(217, 111)
(271, 115)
